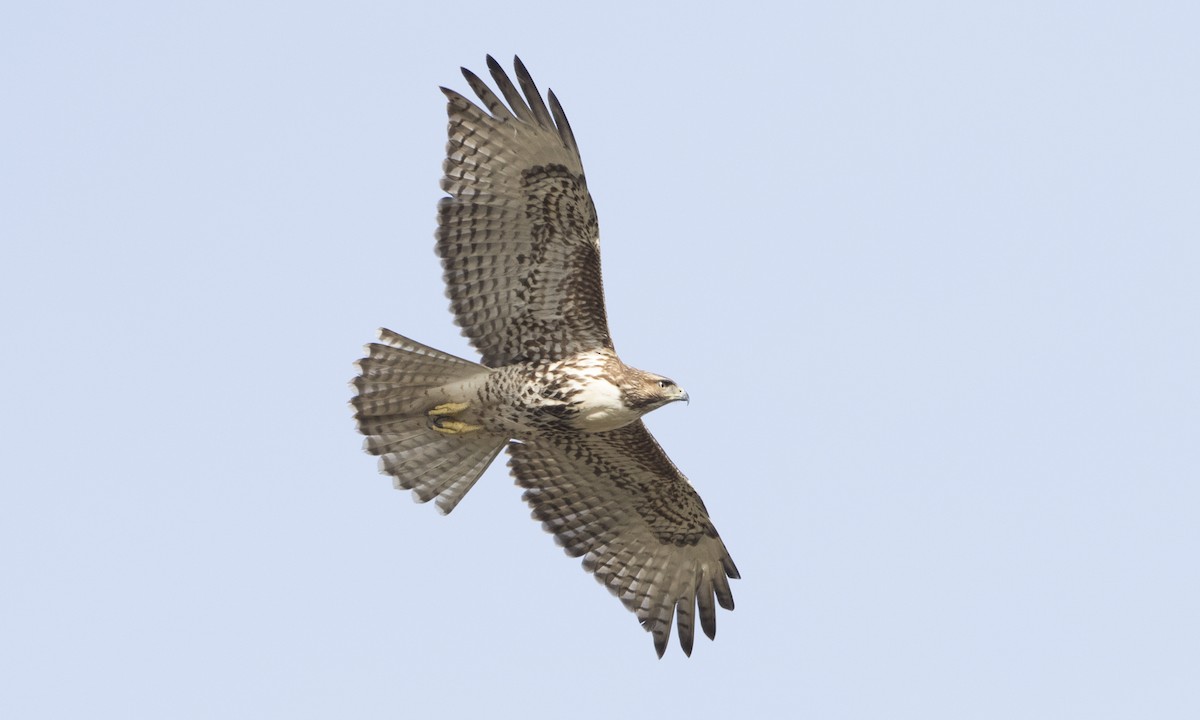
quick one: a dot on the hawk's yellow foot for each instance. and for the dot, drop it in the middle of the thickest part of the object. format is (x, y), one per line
(447, 426)
(448, 409)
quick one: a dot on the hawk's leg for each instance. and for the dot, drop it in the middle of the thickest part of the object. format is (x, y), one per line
(442, 419)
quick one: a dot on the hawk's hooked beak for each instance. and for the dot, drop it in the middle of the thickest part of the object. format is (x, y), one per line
(684, 396)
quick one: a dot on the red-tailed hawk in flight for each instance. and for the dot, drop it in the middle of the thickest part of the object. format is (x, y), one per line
(521, 250)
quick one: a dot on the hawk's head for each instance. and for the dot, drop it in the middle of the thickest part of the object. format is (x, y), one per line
(645, 391)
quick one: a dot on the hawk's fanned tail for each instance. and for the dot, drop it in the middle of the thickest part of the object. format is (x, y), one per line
(398, 383)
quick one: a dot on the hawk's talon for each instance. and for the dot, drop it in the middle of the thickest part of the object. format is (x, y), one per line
(446, 426)
(448, 409)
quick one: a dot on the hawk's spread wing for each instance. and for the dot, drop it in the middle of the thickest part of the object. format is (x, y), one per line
(518, 236)
(617, 499)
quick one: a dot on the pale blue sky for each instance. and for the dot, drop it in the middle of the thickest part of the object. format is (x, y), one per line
(928, 271)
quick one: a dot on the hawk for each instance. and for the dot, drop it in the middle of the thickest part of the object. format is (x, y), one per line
(520, 248)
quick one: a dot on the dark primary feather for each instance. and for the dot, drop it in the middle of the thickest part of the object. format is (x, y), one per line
(518, 234)
(533, 95)
(564, 127)
(515, 101)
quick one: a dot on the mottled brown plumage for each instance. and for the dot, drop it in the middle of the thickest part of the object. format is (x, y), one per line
(520, 248)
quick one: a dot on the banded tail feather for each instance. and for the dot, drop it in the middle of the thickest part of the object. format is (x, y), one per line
(400, 381)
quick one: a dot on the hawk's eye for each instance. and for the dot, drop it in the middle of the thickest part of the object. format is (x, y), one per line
(665, 383)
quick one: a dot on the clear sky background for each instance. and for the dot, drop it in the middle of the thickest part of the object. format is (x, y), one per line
(929, 272)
